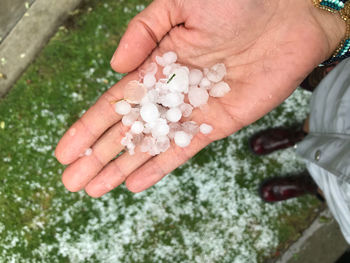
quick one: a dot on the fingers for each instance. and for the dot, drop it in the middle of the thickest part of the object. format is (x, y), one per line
(156, 168)
(78, 174)
(92, 124)
(115, 173)
(144, 33)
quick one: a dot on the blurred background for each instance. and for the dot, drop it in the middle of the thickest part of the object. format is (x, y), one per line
(54, 64)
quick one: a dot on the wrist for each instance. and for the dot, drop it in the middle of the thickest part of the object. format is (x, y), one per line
(333, 26)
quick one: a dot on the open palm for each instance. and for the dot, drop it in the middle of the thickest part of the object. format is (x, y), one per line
(268, 48)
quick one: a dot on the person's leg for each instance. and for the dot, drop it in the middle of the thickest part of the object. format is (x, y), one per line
(306, 125)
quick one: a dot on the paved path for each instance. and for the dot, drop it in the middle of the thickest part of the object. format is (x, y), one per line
(11, 11)
(26, 33)
(322, 242)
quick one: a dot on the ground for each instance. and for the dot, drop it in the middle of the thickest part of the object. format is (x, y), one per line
(207, 210)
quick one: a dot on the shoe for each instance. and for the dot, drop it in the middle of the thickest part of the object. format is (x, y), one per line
(283, 188)
(316, 76)
(270, 140)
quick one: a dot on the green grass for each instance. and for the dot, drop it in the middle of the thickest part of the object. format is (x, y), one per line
(205, 211)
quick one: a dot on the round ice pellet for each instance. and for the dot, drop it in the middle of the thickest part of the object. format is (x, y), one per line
(160, 129)
(198, 96)
(219, 89)
(205, 83)
(205, 128)
(217, 72)
(190, 127)
(173, 114)
(131, 117)
(172, 99)
(178, 80)
(137, 127)
(163, 143)
(149, 80)
(122, 107)
(160, 61)
(88, 152)
(169, 57)
(149, 112)
(182, 139)
(195, 77)
(186, 109)
(134, 91)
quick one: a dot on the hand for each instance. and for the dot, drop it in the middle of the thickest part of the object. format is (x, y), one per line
(267, 46)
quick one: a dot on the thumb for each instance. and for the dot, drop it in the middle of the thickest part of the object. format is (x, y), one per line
(144, 32)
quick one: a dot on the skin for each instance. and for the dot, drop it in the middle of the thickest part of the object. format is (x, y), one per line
(268, 47)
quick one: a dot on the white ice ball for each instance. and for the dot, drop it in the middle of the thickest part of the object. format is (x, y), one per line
(217, 72)
(149, 80)
(149, 112)
(198, 96)
(205, 128)
(169, 57)
(131, 117)
(186, 109)
(88, 152)
(178, 80)
(122, 107)
(172, 99)
(190, 127)
(160, 129)
(174, 114)
(195, 77)
(137, 127)
(205, 83)
(219, 89)
(182, 139)
(163, 143)
(160, 61)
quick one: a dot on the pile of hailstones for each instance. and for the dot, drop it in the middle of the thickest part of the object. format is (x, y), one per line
(153, 108)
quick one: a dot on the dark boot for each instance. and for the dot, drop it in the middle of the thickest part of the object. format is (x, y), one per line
(283, 188)
(270, 140)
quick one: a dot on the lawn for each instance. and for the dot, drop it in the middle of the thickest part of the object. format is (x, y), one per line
(207, 210)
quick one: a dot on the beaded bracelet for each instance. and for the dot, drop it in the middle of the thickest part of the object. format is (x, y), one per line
(341, 7)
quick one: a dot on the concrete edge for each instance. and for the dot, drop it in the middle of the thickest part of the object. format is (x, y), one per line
(322, 242)
(29, 36)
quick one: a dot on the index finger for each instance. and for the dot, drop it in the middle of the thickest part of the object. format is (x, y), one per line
(84, 132)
